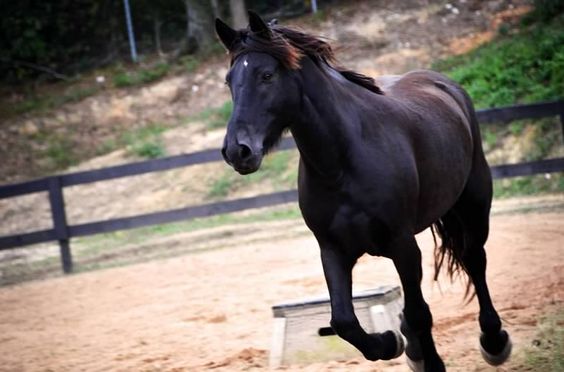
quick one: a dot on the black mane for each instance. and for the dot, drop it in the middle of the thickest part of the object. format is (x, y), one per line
(289, 46)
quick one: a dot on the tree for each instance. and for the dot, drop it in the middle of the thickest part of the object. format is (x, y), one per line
(238, 13)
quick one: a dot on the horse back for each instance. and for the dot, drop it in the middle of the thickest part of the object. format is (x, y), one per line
(444, 134)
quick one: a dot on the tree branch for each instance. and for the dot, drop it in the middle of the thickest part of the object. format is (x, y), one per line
(36, 67)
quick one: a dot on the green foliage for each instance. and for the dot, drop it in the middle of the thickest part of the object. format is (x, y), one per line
(55, 34)
(141, 76)
(526, 67)
(111, 241)
(145, 142)
(547, 9)
(72, 36)
(190, 63)
(489, 137)
(522, 67)
(279, 169)
(220, 187)
(546, 352)
(521, 186)
(48, 101)
(60, 152)
(217, 117)
(150, 150)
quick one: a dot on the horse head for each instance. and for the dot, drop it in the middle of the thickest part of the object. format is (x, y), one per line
(264, 91)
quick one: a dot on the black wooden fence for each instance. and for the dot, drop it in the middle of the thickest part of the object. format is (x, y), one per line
(62, 232)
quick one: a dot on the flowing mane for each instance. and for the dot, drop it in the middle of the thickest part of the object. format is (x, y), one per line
(289, 46)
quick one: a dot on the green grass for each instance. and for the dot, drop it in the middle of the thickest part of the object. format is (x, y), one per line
(216, 117)
(521, 65)
(93, 251)
(41, 103)
(278, 170)
(524, 66)
(531, 185)
(61, 152)
(109, 250)
(145, 142)
(190, 63)
(546, 352)
(140, 76)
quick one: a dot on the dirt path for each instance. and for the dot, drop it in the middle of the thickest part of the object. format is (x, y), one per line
(212, 310)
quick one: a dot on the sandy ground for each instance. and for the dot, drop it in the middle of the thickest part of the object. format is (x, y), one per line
(212, 310)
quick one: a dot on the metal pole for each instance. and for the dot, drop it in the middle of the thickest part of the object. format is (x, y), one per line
(314, 6)
(130, 33)
(562, 124)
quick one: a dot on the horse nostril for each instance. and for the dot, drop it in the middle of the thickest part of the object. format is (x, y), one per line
(245, 152)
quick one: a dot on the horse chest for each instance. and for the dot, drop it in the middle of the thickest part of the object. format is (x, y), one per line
(354, 230)
(349, 228)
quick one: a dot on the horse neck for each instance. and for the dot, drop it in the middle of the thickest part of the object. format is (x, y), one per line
(327, 120)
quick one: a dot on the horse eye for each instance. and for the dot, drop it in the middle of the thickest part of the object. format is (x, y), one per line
(266, 76)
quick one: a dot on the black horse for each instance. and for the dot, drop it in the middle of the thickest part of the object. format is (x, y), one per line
(378, 164)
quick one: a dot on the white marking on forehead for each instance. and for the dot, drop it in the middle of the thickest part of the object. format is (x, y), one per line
(245, 63)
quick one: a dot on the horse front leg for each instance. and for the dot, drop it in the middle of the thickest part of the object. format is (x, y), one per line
(417, 320)
(337, 267)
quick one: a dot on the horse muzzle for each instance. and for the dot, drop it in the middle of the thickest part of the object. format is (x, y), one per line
(242, 157)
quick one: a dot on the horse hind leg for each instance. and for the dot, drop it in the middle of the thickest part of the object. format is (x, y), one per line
(464, 231)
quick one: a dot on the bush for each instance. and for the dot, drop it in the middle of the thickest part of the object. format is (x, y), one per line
(548, 9)
(526, 67)
(142, 76)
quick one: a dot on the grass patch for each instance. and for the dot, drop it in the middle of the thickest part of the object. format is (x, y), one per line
(126, 247)
(547, 350)
(140, 76)
(61, 152)
(526, 66)
(48, 101)
(278, 172)
(136, 236)
(190, 63)
(215, 118)
(145, 142)
(531, 185)
(521, 65)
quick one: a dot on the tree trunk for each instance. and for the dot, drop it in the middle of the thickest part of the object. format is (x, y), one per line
(157, 24)
(238, 13)
(215, 9)
(199, 17)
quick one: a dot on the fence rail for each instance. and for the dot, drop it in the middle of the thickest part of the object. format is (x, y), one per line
(62, 232)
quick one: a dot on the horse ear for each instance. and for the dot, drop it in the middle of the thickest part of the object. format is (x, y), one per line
(258, 26)
(226, 34)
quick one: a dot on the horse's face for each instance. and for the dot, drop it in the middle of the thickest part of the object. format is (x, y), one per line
(264, 94)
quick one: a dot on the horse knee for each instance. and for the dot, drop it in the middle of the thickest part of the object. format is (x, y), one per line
(344, 327)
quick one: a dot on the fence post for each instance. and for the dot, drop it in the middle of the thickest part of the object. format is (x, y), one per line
(562, 123)
(57, 202)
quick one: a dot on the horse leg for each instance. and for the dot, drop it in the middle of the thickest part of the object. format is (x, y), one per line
(338, 274)
(417, 320)
(472, 212)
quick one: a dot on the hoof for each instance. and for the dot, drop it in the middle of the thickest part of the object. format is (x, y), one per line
(415, 365)
(399, 343)
(413, 348)
(502, 356)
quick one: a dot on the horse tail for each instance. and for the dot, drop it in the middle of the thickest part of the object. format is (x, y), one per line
(451, 231)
